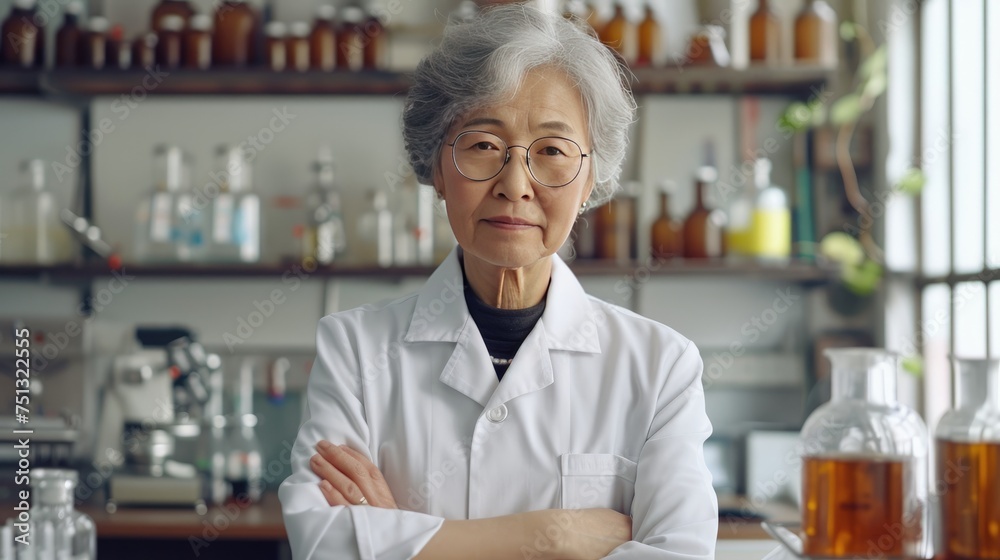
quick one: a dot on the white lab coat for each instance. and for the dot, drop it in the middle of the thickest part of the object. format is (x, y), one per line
(600, 408)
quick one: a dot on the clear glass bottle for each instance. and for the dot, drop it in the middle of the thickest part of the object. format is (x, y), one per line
(297, 46)
(816, 34)
(968, 463)
(244, 461)
(235, 34)
(665, 241)
(865, 456)
(198, 43)
(323, 39)
(68, 36)
(23, 39)
(765, 35)
(325, 237)
(37, 235)
(61, 531)
(770, 238)
(375, 232)
(235, 212)
(170, 225)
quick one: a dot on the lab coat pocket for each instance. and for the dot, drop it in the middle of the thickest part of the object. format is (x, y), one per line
(598, 480)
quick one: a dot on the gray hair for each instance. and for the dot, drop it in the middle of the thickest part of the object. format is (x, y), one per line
(483, 61)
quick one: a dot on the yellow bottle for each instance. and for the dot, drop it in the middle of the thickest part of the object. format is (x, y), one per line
(770, 238)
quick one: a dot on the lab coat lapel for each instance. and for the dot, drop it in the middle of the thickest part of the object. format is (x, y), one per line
(441, 315)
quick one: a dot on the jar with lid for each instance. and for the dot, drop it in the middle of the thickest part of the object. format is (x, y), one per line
(372, 38)
(170, 225)
(144, 50)
(198, 43)
(275, 47)
(23, 42)
(235, 29)
(865, 458)
(967, 441)
(325, 238)
(350, 39)
(297, 46)
(323, 39)
(94, 48)
(117, 51)
(235, 211)
(68, 36)
(169, 41)
(59, 530)
(36, 233)
(171, 8)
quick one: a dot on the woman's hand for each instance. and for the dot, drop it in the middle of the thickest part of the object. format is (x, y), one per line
(347, 476)
(595, 532)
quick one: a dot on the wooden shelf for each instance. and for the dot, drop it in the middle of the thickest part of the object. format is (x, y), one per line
(797, 81)
(796, 272)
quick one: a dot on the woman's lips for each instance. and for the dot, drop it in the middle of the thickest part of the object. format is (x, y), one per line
(508, 223)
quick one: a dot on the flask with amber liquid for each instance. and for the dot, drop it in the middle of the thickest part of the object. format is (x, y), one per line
(235, 34)
(665, 241)
(816, 34)
(864, 472)
(68, 36)
(765, 35)
(323, 40)
(23, 41)
(704, 228)
(968, 463)
(650, 40)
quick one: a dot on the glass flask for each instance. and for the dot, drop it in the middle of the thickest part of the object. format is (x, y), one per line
(60, 531)
(235, 210)
(170, 221)
(325, 236)
(374, 39)
(968, 463)
(37, 235)
(350, 39)
(864, 473)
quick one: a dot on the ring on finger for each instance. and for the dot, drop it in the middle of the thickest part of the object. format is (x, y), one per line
(363, 501)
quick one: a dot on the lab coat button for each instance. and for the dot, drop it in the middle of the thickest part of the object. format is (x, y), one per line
(498, 414)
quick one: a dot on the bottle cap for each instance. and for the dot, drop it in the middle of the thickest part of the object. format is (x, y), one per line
(299, 29)
(53, 487)
(98, 24)
(24, 4)
(353, 14)
(172, 23)
(201, 22)
(275, 29)
(74, 8)
(34, 172)
(326, 12)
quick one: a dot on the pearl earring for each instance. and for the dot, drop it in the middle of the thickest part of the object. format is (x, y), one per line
(583, 207)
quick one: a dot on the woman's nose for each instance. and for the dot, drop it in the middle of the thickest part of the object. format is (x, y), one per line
(514, 181)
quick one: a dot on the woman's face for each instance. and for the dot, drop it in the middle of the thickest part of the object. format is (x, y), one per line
(511, 220)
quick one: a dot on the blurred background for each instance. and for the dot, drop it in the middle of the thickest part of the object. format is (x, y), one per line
(187, 187)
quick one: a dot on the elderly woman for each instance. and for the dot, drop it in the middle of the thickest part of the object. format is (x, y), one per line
(500, 412)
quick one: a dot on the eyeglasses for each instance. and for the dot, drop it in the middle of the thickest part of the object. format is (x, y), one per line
(553, 161)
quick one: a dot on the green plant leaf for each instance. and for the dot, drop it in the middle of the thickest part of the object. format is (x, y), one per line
(912, 182)
(913, 365)
(874, 86)
(796, 117)
(846, 109)
(841, 248)
(847, 31)
(862, 279)
(874, 64)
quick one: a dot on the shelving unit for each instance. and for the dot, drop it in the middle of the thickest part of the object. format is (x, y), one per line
(799, 81)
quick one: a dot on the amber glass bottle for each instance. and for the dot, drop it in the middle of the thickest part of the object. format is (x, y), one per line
(614, 32)
(704, 228)
(649, 40)
(765, 35)
(594, 19)
(167, 8)
(350, 47)
(68, 36)
(665, 240)
(23, 39)
(144, 50)
(235, 29)
(297, 46)
(816, 34)
(323, 40)
(94, 44)
(198, 43)
(275, 47)
(372, 36)
(170, 41)
(117, 51)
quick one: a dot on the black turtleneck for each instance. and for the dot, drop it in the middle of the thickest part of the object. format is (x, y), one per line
(503, 330)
